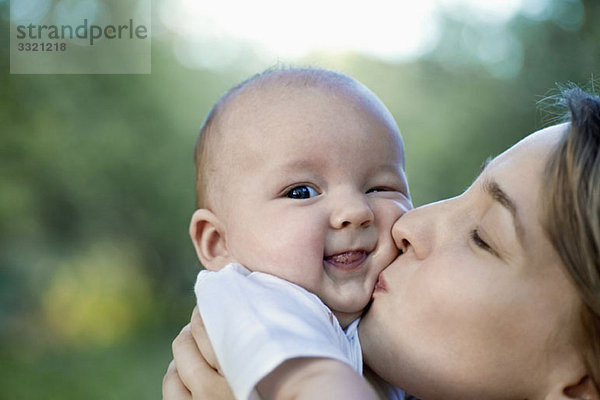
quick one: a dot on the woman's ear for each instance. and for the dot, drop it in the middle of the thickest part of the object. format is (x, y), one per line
(571, 380)
(208, 236)
(582, 390)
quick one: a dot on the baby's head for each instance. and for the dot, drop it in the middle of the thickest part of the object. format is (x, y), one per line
(300, 174)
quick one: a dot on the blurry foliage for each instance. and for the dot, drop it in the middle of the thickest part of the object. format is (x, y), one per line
(97, 183)
(97, 297)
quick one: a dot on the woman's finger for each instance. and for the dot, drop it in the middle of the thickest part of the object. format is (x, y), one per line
(202, 340)
(187, 357)
(195, 373)
(172, 387)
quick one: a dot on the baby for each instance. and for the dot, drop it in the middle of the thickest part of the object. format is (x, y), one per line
(299, 179)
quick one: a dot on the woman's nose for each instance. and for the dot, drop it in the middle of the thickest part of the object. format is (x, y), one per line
(352, 210)
(417, 230)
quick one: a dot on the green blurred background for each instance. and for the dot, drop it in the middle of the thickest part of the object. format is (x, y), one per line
(97, 185)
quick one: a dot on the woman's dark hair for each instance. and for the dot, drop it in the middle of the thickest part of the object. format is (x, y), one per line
(571, 212)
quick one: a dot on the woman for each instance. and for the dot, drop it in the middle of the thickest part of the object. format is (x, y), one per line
(496, 293)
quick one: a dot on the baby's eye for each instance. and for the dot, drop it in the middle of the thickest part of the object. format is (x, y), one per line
(378, 189)
(302, 192)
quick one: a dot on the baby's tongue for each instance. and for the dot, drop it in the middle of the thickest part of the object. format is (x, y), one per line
(345, 258)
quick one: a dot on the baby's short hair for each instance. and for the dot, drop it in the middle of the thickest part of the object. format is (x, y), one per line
(205, 153)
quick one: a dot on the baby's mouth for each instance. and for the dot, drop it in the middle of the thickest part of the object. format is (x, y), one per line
(348, 259)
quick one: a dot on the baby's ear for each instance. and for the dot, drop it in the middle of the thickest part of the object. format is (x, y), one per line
(208, 236)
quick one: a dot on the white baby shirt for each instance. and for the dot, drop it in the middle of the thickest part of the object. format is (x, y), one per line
(256, 321)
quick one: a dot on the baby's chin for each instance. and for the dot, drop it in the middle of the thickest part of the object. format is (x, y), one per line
(345, 318)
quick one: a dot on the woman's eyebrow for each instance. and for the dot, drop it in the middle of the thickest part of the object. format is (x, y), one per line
(492, 188)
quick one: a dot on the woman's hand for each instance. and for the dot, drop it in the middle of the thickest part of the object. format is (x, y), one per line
(172, 386)
(194, 371)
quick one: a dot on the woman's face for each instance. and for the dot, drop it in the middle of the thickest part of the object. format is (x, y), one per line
(478, 305)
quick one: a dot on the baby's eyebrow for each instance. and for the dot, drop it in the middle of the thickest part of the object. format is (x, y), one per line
(298, 164)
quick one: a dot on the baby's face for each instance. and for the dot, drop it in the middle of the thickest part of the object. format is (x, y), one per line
(314, 182)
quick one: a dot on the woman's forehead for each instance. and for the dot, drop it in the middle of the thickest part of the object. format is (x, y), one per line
(537, 145)
(540, 142)
(516, 178)
(519, 169)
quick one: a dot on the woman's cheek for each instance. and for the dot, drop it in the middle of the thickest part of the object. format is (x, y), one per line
(437, 296)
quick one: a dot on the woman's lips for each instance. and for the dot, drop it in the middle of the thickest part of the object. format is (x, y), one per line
(347, 260)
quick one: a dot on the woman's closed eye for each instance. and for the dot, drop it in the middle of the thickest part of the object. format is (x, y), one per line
(301, 192)
(481, 243)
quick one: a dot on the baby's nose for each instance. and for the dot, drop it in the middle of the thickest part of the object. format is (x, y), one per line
(352, 211)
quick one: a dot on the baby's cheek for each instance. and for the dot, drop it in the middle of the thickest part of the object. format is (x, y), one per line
(406, 206)
(385, 219)
(388, 211)
(297, 253)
